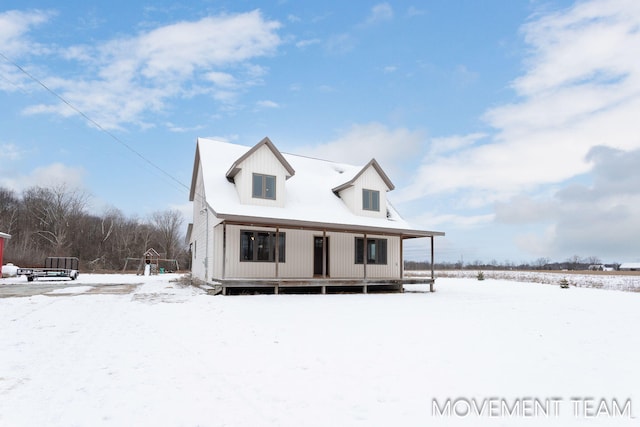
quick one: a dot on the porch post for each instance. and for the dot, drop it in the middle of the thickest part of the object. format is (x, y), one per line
(277, 250)
(224, 250)
(401, 257)
(432, 272)
(324, 254)
(364, 256)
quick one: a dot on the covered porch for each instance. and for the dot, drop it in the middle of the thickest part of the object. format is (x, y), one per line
(323, 280)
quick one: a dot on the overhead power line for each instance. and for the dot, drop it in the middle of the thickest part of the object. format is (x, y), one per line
(95, 123)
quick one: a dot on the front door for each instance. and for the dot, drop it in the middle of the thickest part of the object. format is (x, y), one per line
(320, 252)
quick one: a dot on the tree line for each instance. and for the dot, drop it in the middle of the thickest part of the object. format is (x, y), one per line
(575, 262)
(55, 221)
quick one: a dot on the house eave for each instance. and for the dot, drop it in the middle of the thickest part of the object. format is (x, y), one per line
(320, 226)
(194, 174)
(372, 163)
(235, 167)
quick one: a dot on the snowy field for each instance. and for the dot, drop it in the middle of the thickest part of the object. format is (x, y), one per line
(622, 281)
(124, 350)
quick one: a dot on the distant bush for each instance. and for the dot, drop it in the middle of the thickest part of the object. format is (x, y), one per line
(480, 275)
(564, 283)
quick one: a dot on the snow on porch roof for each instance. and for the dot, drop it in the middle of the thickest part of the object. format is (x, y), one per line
(309, 197)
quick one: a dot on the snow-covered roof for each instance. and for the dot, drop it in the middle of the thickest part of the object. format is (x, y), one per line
(5, 236)
(310, 200)
(630, 265)
(235, 168)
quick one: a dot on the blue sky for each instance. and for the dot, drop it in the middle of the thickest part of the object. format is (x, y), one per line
(510, 125)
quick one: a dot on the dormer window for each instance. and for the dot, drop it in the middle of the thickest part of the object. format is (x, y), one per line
(370, 200)
(264, 186)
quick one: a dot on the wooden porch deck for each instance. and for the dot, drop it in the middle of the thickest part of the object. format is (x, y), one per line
(316, 286)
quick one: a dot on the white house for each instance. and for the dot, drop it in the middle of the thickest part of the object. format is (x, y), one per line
(262, 218)
(630, 266)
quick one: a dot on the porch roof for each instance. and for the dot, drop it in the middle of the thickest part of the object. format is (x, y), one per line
(319, 226)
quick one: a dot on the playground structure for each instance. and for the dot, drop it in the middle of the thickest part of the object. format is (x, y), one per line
(152, 263)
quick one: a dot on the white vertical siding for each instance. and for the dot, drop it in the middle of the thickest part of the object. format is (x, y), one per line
(342, 259)
(234, 267)
(371, 180)
(392, 268)
(352, 196)
(300, 256)
(217, 252)
(262, 161)
(343, 248)
(348, 196)
(202, 262)
(198, 232)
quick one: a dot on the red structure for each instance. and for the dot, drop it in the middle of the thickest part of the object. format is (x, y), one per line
(3, 237)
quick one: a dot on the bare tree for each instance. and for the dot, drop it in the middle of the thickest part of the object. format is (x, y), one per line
(593, 260)
(541, 262)
(573, 262)
(53, 213)
(9, 209)
(168, 225)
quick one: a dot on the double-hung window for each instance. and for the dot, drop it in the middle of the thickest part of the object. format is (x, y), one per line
(264, 186)
(375, 251)
(370, 200)
(260, 246)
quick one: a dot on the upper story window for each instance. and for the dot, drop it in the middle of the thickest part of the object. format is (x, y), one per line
(264, 186)
(370, 200)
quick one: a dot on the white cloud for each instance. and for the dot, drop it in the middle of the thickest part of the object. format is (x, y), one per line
(443, 221)
(601, 217)
(453, 143)
(307, 42)
(221, 79)
(14, 27)
(46, 176)
(581, 89)
(340, 44)
(267, 104)
(362, 142)
(379, 13)
(180, 129)
(15, 45)
(10, 152)
(131, 76)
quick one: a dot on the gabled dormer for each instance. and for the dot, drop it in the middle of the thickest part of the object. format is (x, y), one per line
(260, 174)
(366, 193)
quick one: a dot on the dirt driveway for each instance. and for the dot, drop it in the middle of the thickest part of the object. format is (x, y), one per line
(61, 287)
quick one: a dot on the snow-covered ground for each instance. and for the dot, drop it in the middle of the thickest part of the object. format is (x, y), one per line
(115, 350)
(622, 281)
